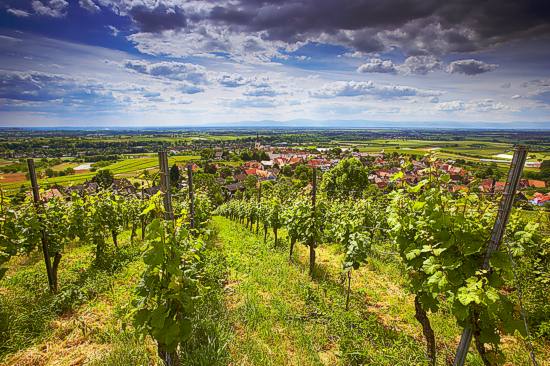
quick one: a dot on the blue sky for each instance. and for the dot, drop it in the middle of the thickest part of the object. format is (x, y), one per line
(192, 63)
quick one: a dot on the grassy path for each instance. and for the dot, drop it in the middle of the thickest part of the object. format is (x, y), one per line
(280, 317)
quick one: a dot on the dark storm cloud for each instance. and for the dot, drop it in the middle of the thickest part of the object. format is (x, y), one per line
(158, 19)
(437, 26)
(470, 67)
(418, 27)
(32, 86)
(20, 90)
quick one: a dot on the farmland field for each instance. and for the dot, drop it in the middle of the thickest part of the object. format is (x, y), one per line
(127, 168)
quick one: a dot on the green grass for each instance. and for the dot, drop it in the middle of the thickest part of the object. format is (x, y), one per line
(256, 309)
(83, 320)
(281, 317)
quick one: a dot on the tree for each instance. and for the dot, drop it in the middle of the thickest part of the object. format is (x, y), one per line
(207, 154)
(287, 170)
(303, 173)
(104, 178)
(441, 238)
(207, 183)
(49, 173)
(225, 172)
(174, 175)
(347, 179)
(250, 183)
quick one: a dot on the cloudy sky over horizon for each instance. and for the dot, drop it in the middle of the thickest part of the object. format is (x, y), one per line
(175, 62)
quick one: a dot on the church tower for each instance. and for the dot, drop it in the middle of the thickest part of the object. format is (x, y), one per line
(257, 145)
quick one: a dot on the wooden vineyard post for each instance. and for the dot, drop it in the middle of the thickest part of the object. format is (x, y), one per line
(170, 358)
(505, 207)
(43, 238)
(191, 196)
(313, 204)
(165, 185)
(259, 202)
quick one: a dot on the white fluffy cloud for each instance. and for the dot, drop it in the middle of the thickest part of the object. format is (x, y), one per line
(377, 65)
(475, 106)
(170, 70)
(89, 5)
(420, 65)
(212, 41)
(51, 8)
(359, 88)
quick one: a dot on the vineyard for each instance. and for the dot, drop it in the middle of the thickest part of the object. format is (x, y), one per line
(322, 274)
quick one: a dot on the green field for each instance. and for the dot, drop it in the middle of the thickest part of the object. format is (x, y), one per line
(127, 168)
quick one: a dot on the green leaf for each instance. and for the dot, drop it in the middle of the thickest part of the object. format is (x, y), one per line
(397, 176)
(412, 254)
(142, 316)
(154, 256)
(158, 316)
(185, 329)
(171, 335)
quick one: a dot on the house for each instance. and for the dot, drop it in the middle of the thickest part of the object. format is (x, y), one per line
(532, 183)
(123, 186)
(499, 186)
(218, 155)
(456, 171)
(322, 164)
(51, 193)
(253, 164)
(540, 199)
(83, 189)
(239, 177)
(265, 175)
(486, 185)
(295, 160)
(267, 163)
(383, 174)
(233, 187)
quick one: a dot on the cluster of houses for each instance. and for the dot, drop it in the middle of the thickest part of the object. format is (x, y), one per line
(120, 186)
(383, 168)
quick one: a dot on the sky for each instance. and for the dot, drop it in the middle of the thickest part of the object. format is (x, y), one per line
(110, 63)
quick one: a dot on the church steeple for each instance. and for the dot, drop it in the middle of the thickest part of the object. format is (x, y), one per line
(257, 145)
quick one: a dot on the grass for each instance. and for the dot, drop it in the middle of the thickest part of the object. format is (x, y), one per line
(256, 309)
(281, 317)
(83, 322)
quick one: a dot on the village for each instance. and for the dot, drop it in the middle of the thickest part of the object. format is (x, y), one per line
(275, 162)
